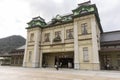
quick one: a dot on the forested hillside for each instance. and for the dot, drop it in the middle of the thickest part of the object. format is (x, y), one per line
(10, 43)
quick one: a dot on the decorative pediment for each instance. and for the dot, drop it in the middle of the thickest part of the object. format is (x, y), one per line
(61, 19)
(58, 17)
(37, 21)
(83, 9)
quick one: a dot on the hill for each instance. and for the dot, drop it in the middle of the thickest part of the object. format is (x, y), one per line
(9, 43)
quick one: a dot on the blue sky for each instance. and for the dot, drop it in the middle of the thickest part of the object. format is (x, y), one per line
(14, 14)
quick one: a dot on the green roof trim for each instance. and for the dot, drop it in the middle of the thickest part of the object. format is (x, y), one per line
(37, 21)
(81, 10)
(84, 10)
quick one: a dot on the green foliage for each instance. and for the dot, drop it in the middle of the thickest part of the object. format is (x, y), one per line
(10, 43)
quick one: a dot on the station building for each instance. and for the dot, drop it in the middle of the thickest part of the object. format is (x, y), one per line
(74, 40)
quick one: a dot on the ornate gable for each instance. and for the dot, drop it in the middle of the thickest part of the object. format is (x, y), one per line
(61, 19)
(37, 21)
(84, 8)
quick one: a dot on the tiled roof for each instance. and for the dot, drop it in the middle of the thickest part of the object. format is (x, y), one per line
(110, 36)
(22, 47)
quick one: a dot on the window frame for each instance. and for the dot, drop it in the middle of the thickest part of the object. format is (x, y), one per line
(57, 36)
(32, 37)
(58, 33)
(47, 37)
(68, 32)
(84, 29)
(30, 56)
(85, 54)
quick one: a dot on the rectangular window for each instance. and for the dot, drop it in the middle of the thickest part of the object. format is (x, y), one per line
(30, 56)
(84, 28)
(69, 34)
(32, 37)
(85, 54)
(57, 36)
(47, 37)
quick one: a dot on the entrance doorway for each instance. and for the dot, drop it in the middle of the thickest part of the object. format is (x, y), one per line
(110, 61)
(63, 60)
(105, 61)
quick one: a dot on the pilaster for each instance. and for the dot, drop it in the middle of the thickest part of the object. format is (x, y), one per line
(62, 35)
(25, 53)
(95, 51)
(51, 37)
(35, 62)
(76, 52)
(40, 65)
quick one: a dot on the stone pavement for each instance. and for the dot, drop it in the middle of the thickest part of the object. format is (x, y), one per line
(19, 73)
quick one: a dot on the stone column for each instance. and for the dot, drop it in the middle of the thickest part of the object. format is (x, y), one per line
(62, 35)
(25, 53)
(95, 51)
(41, 59)
(35, 62)
(51, 37)
(76, 52)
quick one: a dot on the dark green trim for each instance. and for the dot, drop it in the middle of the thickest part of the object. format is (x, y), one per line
(88, 13)
(87, 7)
(59, 24)
(33, 27)
(97, 18)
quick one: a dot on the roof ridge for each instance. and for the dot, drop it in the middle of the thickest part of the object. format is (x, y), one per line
(111, 31)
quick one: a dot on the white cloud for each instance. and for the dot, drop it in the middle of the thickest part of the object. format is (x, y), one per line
(14, 14)
(58, 1)
(13, 17)
(109, 14)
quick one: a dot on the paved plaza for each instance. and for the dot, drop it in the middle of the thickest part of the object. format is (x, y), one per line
(19, 73)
